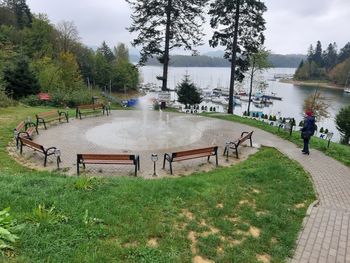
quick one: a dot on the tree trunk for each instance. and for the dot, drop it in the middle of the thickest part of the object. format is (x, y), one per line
(166, 50)
(233, 60)
(251, 86)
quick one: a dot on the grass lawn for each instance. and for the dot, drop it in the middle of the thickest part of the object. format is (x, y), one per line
(250, 211)
(337, 151)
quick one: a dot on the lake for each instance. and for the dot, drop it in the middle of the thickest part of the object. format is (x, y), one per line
(293, 95)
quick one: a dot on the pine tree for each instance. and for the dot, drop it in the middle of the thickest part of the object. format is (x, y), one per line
(343, 124)
(106, 52)
(21, 11)
(121, 53)
(20, 80)
(317, 57)
(166, 24)
(187, 92)
(330, 56)
(239, 26)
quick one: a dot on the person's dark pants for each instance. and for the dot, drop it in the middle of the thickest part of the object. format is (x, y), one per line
(306, 145)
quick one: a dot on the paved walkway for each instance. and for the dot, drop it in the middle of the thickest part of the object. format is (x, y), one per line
(326, 233)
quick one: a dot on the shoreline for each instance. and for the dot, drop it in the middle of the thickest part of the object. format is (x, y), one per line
(326, 85)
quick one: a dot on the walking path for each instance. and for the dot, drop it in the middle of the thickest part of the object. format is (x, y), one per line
(326, 233)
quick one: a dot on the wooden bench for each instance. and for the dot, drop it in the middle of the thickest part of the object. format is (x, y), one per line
(235, 144)
(39, 148)
(25, 129)
(50, 116)
(91, 109)
(124, 159)
(191, 154)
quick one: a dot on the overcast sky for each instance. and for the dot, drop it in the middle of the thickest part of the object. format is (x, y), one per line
(292, 25)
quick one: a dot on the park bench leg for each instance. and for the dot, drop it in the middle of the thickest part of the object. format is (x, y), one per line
(251, 142)
(45, 125)
(135, 170)
(21, 148)
(237, 152)
(45, 160)
(164, 161)
(138, 162)
(216, 158)
(17, 142)
(58, 162)
(78, 171)
(208, 158)
(171, 167)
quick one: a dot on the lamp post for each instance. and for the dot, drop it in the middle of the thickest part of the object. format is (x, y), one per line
(154, 158)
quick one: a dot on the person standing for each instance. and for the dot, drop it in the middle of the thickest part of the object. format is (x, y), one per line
(308, 130)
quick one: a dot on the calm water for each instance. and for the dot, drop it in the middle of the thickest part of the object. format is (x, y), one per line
(293, 96)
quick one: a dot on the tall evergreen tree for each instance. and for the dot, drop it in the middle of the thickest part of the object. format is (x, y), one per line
(106, 52)
(344, 53)
(330, 56)
(20, 80)
(317, 57)
(166, 24)
(121, 53)
(239, 26)
(21, 11)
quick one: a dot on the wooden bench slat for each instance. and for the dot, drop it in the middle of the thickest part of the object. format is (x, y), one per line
(32, 144)
(20, 126)
(193, 152)
(189, 157)
(124, 159)
(190, 154)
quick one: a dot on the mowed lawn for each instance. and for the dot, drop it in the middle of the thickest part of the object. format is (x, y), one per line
(250, 212)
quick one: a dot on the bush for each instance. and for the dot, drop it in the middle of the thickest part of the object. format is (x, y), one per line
(343, 124)
(326, 131)
(61, 99)
(274, 118)
(5, 101)
(322, 130)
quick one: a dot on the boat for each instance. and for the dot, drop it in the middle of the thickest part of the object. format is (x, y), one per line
(347, 90)
(237, 101)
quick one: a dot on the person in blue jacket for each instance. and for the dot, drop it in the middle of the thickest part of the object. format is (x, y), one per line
(308, 130)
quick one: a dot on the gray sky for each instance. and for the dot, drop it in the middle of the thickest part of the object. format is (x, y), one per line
(292, 25)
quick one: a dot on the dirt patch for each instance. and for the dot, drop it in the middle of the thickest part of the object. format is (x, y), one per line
(221, 206)
(248, 203)
(189, 215)
(299, 206)
(265, 258)
(261, 213)
(254, 231)
(256, 191)
(199, 259)
(233, 220)
(192, 237)
(153, 242)
(131, 244)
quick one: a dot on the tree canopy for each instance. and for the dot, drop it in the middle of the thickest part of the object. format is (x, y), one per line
(343, 123)
(166, 24)
(238, 26)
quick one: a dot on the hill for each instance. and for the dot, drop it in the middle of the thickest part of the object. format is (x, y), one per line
(215, 59)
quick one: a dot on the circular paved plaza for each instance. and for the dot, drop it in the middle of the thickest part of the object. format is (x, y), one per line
(142, 133)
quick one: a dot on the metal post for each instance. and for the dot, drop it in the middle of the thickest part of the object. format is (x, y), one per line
(154, 158)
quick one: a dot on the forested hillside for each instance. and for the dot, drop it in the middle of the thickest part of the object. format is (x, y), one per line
(38, 56)
(215, 59)
(329, 64)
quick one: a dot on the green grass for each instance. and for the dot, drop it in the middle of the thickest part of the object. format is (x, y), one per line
(337, 151)
(71, 219)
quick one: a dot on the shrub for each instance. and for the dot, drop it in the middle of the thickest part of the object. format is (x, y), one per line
(326, 131)
(8, 226)
(5, 101)
(322, 130)
(274, 118)
(343, 124)
(41, 215)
